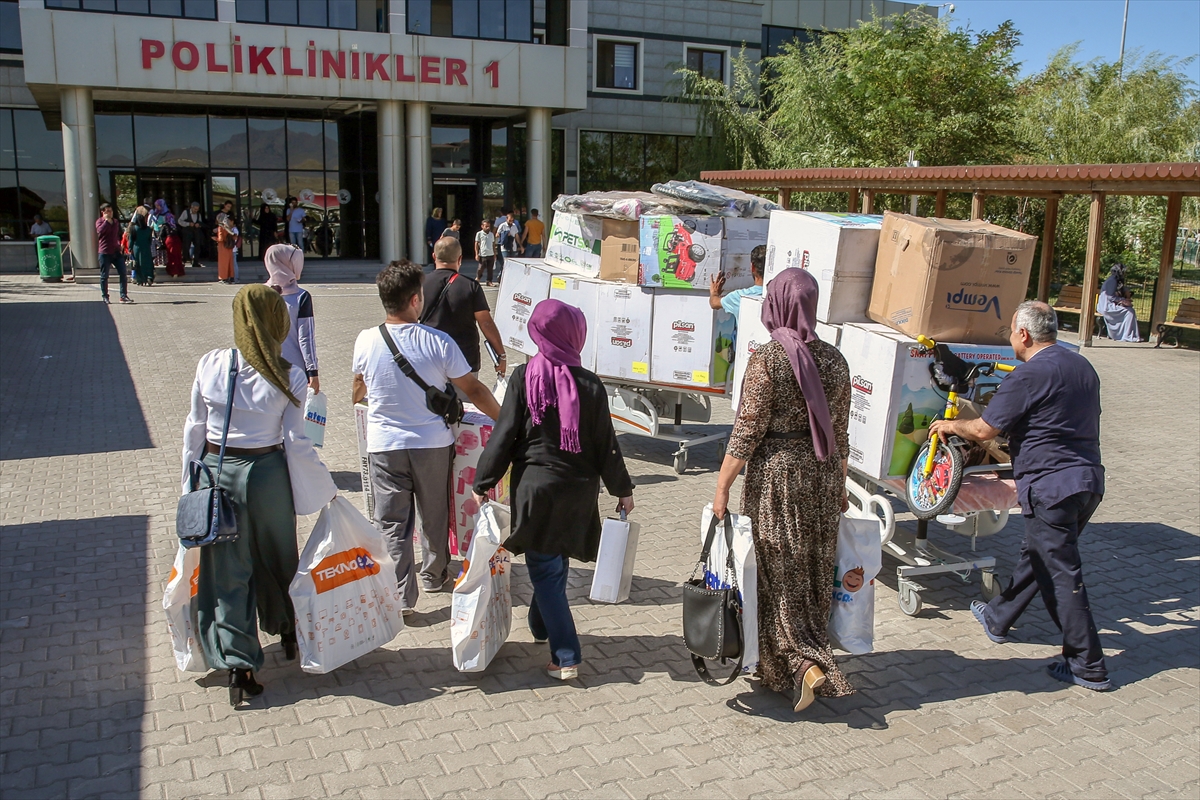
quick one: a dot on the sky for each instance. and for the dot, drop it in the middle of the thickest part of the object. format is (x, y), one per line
(1170, 26)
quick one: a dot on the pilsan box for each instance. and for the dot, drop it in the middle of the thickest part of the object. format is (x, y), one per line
(680, 252)
(838, 249)
(952, 280)
(752, 334)
(584, 295)
(691, 344)
(741, 236)
(594, 247)
(524, 284)
(623, 322)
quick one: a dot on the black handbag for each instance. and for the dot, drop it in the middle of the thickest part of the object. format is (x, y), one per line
(207, 516)
(712, 618)
(443, 402)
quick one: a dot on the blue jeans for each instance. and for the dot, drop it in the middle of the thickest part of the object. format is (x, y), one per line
(533, 251)
(550, 613)
(107, 262)
(297, 238)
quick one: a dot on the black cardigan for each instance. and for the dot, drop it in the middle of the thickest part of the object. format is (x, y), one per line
(553, 492)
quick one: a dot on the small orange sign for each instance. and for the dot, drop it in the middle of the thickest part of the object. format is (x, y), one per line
(342, 568)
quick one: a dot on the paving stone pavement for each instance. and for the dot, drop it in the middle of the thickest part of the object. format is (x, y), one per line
(92, 401)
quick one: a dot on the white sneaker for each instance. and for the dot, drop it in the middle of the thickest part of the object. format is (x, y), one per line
(562, 673)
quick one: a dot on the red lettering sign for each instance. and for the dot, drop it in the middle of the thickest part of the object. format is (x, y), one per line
(213, 66)
(258, 58)
(193, 59)
(456, 72)
(151, 49)
(312, 60)
(377, 64)
(335, 61)
(493, 69)
(288, 69)
(430, 69)
(401, 75)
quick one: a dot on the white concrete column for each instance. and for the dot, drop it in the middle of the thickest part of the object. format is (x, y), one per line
(537, 160)
(390, 118)
(396, 19)
(79, 168)
(226, 10)
(420, 178)
(577, 24)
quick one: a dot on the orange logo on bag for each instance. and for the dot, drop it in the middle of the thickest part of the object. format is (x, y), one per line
(195, 581)
(342, 568)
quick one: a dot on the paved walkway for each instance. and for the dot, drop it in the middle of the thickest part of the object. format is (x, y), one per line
(92, 401)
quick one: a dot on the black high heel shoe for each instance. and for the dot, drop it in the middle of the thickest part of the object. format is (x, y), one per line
(242, 686)
(288, 640)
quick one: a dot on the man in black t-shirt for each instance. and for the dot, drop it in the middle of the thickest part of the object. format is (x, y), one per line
(455, 305)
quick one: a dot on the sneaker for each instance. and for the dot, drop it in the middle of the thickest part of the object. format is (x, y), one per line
(107, 302)
(562, 673)
(126, 300)
(408, 612)
(1061, 672)
(447, 583)
(977, 611)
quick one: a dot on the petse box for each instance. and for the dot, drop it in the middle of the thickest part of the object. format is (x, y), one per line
(623, 330)
(691, 344)
(680, 252)
(470, 437)
(584, 295)
(838, 249)
(594, 247)
(752, 334)
(741, 236)
(524, 284)
(957, 280)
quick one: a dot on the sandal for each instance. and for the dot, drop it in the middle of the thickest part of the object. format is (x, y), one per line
(810, 678)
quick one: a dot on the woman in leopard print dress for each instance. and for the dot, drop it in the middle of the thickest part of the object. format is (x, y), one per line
(792, 494)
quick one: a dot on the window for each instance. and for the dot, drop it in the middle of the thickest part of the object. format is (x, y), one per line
(775, 36)
(709, 63)
(616, 64)
(31, 175)
(187, 9)
(509, 20)
(630, 161)
(10, 27)
(336, 14)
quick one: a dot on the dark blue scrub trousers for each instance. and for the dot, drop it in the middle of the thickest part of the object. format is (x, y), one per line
(549, 612)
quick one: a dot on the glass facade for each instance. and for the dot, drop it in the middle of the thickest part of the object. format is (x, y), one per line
(774, 37)
(616, 65)
(190, 9)
(31, 174)
(10, 27)
(341, 14)
(630, 161)
(509, 20)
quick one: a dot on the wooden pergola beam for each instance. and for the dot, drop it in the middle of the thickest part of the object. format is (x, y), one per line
(869, 201)
(1166, 263)
(1091, 269)
(785, 198)
(1012, 188)
(853, 204)
(978, 201)
(939, 208)
(1048, 235)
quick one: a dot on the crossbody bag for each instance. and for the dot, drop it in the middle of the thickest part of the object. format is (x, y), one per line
(207, 516)
(442, 402)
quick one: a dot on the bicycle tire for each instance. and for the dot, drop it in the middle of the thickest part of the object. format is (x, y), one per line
(924, 497)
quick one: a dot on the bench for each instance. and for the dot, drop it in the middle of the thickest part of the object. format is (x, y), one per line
(1070, 301)
(1188, 316)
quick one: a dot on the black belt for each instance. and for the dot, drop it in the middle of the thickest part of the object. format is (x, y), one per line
(787, 434)
(242, 452)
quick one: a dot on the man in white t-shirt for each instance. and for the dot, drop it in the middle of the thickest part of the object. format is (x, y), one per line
(410, 448)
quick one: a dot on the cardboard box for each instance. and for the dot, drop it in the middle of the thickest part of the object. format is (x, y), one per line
(470, 437)
(838, 249)
(584, 295)
(594, 247)
(680, 252)
(524, 284)
(623, 322)
(952, 280)
(741, 236)
(752, 334)
(691, 344)
(614, 561)
(364, 468)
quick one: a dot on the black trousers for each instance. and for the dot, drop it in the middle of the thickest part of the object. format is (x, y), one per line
(1050, 564)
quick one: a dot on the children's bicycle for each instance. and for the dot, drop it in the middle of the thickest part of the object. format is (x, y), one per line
(937, 473)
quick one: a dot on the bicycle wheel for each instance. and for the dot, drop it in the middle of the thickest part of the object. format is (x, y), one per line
(928, 496)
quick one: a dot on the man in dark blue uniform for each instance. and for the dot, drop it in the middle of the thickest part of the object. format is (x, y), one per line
(1049, 407)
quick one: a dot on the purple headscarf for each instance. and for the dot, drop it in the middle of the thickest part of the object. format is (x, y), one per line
(559, 331)
(162, 210)
(790, 314)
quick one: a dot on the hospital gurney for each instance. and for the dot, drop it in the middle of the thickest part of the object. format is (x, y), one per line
(640, 408)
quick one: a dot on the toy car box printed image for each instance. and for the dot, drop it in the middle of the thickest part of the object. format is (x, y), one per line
(741, 236)
(524, 284)
(594, 247)
(690, 343)
(470, 437)
(838, 249)
(584, 295)
(752, 334)
(622, 324)
(892, 401)
(956, 280)
(680, 252)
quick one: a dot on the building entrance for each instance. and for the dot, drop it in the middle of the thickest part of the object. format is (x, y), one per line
(459, 198)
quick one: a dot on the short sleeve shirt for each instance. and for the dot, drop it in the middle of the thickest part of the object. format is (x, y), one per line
(732, 302)
(296, 220)
(1049, 407)
(534, 229)
(487, 243)
(454, 314)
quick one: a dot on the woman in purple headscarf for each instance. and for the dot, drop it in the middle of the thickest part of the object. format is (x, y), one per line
(166, 234)
(791, 435)
(555, 431)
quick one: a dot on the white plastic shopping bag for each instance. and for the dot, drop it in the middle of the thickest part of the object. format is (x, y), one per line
(481, 606)
(747, 576)
(500, 389)
(345, 591)
(181, 611)
(614, 562)
(315, 407)
(859, 559)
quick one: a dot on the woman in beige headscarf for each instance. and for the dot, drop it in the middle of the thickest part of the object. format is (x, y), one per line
(272, 474)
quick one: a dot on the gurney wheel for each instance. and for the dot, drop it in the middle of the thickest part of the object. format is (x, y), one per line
(910, 601)
(990, 585)
(680, 462)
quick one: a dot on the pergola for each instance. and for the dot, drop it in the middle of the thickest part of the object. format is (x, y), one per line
(1049, 181)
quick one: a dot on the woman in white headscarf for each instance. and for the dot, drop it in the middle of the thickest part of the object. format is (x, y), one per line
(284, 264)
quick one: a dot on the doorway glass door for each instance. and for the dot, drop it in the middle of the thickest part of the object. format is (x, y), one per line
(225, 190)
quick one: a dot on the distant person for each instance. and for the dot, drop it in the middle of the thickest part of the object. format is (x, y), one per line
(456, 306)
(508, 239)
(226, 238)
(191, 229)
(732, 302)
(433, 229)
(171, 242)
(285, 263)
(410, 447)
(485, 252)
(1049, 407)
(40, 227)
(454, 231)
(535, 235)
(268, 228)
(108, 240)
(157, 221)
(141, 246)
(1116, 306)
(295, 223)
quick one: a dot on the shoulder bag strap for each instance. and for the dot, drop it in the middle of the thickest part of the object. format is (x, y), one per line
(233, 371)
(428, 310)
(401, 361)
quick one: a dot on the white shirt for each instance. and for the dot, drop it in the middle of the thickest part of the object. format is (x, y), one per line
(262, 416)
(486, 240)
(397, 418)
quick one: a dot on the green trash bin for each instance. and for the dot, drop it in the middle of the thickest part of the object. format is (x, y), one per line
(49, 253)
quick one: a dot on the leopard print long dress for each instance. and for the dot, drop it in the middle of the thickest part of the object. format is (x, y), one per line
(794, 502)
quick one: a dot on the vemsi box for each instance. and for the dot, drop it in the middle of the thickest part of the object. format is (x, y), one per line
(752, 334)
(958, 280)
(741, 236)
(623, 323)
(584, 295)
(524, 284)
(680, 252)
(691, 344)
(594, 247)
(838, 249)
